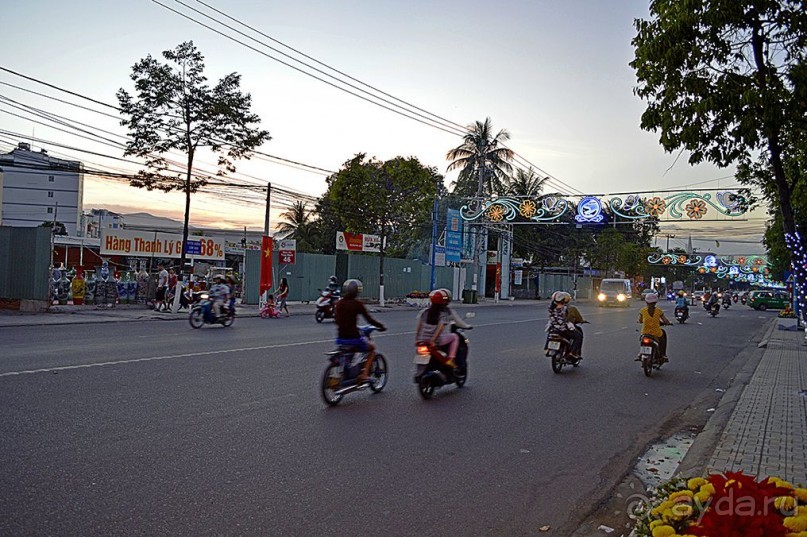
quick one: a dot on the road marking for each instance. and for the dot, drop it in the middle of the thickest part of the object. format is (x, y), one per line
(210, 353)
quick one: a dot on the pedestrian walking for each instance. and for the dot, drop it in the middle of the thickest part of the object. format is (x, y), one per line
(282, 293)
(162, 287)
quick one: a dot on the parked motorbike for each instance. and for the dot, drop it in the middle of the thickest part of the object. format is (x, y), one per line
(649, 355)
(431, 371)
(325, 303)
(558, 349)
(341, 374)
(681, 314)
(202, 313)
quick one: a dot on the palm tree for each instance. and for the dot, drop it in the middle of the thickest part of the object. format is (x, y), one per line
(298, 224)
(482, 160)
(525, 183)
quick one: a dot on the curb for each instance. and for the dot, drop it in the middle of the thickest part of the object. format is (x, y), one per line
(697, 457)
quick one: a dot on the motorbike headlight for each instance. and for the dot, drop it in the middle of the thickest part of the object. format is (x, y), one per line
(601, 297)
(205, 296)
(620, 297)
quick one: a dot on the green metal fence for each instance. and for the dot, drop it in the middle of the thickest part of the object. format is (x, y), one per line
(24, 263)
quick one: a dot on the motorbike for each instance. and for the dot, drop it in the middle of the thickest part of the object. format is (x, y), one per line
(431, 371)
(681, 314)
(341, 374)
(202, 313)
(713, 309)
(325, 303)
(735, 298)
(726, 302)
(744, 299)
(558, 349)
(649, 355)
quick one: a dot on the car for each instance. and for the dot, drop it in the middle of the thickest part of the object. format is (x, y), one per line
(697, 296)
(763, 300)
(616, 291)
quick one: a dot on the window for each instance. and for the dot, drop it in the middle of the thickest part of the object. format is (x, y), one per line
(50, 210)
(50, 194)
(50, 178)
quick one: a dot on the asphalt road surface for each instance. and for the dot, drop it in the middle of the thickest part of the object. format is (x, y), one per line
(152, 428)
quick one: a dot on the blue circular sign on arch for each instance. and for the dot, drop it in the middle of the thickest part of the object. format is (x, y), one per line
(589, 210)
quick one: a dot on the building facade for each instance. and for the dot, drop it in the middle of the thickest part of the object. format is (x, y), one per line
(38, 188)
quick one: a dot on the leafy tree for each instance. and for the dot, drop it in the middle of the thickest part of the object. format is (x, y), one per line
(57, 227)
(392, 199)
(727, 81)
(483, 161)
(175, 109)
(298, 224)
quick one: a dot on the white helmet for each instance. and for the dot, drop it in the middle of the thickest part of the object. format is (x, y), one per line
(561, 296)
(651, 298)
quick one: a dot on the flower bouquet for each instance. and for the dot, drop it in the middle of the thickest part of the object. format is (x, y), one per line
(722, 505)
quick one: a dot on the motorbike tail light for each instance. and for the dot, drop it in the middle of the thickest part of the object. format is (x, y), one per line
(647, 341)
(423, 350)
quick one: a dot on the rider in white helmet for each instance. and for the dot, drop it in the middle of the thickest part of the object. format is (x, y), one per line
(652, 319)
(559, 322)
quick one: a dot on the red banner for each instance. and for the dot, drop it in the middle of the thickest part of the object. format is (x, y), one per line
(266, 265)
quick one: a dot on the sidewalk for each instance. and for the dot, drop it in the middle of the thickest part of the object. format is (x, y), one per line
(87, 314)
(766, 434)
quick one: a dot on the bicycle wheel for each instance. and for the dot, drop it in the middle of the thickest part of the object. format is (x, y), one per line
(378, 373)
(331, 381)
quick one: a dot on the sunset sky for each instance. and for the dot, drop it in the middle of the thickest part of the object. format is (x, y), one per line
(554, 74)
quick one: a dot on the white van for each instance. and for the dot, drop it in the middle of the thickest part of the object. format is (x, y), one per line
(615, 291)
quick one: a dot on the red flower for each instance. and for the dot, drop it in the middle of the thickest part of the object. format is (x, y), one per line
(741, 506)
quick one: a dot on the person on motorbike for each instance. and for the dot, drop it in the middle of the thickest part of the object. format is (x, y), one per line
(333, 286)
(652, 319)
(713, 300)
(219, 294)
(559, 322)
(682, 303)
(346, 314)
(432, 323)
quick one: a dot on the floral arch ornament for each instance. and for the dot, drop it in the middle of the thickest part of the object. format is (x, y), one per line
(675, 259)
(552, 207)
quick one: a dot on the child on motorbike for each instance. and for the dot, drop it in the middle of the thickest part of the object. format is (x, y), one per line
(432, 322)
(652, 319)
(346, 313)
(560, 323)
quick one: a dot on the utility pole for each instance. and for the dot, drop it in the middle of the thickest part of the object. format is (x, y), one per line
(434, 234)
(264, 296)
(669, 236)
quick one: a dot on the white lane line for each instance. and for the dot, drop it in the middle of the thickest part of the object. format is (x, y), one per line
(210, 353)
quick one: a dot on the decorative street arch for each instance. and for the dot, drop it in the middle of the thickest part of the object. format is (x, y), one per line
(679, 206)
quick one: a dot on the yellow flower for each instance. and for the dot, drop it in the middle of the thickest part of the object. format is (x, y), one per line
(801, 494)
(696, 482)
(708, 488)
(663, 531)
(780, 482)
(794, 534)
(785, 503)
(496, 213)
(681, 495)
(794, 523)
(683, 510)
(656, 523)
(527, 208)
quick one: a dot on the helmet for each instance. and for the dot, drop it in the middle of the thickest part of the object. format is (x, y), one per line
(351, 288)
(440, 297)
(218, 278)
(332, 279)
(681, 293)
(651, 298)
(561, 296)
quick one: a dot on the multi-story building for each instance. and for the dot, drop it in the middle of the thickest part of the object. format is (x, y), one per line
(99, 219)
(38, 188)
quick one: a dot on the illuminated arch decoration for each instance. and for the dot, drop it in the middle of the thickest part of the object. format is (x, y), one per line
(675, 259)
(692, 206)
(543, 209)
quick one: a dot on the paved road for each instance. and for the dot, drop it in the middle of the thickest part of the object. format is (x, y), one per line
(151, 428)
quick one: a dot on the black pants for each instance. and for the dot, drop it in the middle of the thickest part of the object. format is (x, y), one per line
(576, 337)
(662, 343)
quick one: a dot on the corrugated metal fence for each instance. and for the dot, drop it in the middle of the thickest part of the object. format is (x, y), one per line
(311, 272)
(24, 263)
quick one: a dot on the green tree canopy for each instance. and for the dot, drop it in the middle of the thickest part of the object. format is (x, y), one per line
(174, 109)
(298, 224)
(483, 161)
(727, 81)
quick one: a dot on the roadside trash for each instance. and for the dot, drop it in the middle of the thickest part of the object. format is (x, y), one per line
(721, 390)
(605, 528)
(544, 528)
(710, 410)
